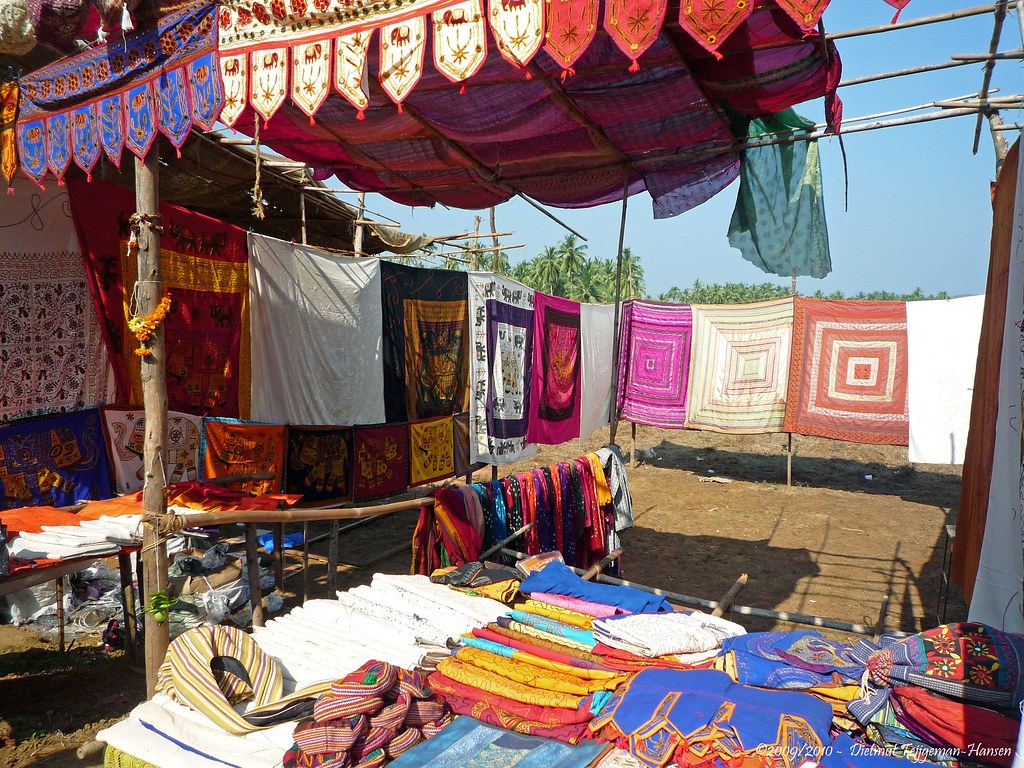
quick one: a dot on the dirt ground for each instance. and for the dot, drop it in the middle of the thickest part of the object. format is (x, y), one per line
(858, 524)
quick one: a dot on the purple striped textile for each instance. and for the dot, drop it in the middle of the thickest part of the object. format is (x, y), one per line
(654, 363)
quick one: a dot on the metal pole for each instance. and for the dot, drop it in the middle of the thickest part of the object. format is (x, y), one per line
(332, 560)
(154, 399)
(613, 420)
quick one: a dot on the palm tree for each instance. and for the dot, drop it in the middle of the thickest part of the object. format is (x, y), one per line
(591, 285)
(499, 263)
(547, 272)
(632, 275)
(573, 255)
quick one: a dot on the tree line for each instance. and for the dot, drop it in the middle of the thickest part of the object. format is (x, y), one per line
(565, 269)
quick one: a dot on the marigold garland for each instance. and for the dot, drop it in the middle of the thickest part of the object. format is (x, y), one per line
(144, 328)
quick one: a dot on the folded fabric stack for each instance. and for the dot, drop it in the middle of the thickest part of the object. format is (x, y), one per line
(367, 718)
(691, 638)
(949, 693)
(47, 533)
(403, 620)
(497, 582)
(701, 717)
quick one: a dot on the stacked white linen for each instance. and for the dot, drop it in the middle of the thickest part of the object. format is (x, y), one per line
(58, 546)
(692, 637)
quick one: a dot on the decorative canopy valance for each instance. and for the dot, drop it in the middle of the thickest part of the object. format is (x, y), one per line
(121, 94)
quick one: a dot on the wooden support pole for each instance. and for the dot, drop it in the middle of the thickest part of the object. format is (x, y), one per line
(124, 567)
(202, 519)
(302, 213)
(789, 459)
(357, 237)
(59, 583)
(597, 568)
(305, 560)
(252, 567)
(507, 540)
(632, 450)
(154, 398)
(550, 215)
(882, 612)
(746, 610)
(332, 559)
(977, 10)
(730, 596)
(613, 420)
(279, 555)
(496, 259)
(990, 65)
(494, 472)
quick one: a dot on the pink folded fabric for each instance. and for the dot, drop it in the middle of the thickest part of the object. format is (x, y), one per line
(597, 610)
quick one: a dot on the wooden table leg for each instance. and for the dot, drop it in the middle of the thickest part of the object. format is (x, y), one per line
(124, 566)
(60, 614)
(252, 561)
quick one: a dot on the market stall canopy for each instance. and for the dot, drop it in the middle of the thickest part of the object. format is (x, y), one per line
(625, 96)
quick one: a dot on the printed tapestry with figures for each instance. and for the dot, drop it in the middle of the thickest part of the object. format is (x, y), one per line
(204, 269)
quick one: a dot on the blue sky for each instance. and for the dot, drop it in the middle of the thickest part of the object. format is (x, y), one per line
(919, 208)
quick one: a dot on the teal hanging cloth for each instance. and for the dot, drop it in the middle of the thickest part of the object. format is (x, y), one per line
(779, 220)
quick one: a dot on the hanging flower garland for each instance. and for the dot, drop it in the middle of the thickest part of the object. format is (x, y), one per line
(144, 328)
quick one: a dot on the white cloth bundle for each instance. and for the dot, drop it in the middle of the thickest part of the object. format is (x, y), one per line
(664, 634)
(27, 547)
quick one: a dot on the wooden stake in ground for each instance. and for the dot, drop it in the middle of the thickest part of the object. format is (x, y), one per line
(613, 420)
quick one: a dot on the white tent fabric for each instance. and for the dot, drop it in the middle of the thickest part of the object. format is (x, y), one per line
(998, 587)
(52, 354)
(942, 349)
(597, 326)
(316, 335)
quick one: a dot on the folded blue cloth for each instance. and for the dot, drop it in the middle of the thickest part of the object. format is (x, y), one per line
(291, 541)
(558, 579)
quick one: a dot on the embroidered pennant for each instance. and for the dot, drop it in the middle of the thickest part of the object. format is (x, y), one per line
(85, 143)
(571, 26)
(234, 72)
(401, 57)
(58, 145)
(460, 40)
(112, 128)
(9, 96)
(31, 136)
(806, 13)
(350, 76)
(141, 119)
(634, 25)
(710, 22)
(311, 75)
(269, 80)
(174, 111)
(518, 26)
(207, 91)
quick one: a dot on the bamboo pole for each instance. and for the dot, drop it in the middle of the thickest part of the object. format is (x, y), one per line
(613, 421)
(305, 560)
(507, 540)
(550, 215)
(496, 261)
(203, 519)
(746, 610)
(154, 398)
(728, 597)
(597, 568)
(963, 13)
(252, 565)
(976, 57)
(902, 72)
(990, 65)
